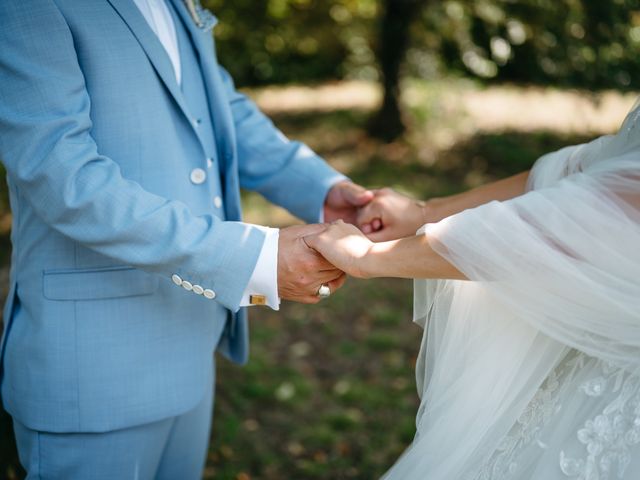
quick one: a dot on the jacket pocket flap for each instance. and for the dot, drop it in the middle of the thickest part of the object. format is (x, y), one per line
(97, 283)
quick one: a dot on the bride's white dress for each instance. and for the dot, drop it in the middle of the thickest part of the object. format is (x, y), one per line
(532, 369)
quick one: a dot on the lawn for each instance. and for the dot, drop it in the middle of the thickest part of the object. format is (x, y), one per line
(329, 392)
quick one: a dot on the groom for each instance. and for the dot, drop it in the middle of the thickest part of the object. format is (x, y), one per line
(126, 145)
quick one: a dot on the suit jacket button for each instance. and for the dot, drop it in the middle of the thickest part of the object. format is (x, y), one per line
(210, 294)
(198, 176)
(176, 279)
(197, 289)
(217, 201)
(187, 285)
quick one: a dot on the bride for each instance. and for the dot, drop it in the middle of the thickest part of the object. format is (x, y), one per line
(530, 360)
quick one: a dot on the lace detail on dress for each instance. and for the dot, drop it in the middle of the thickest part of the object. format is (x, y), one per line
(609, 436)
(540, 409)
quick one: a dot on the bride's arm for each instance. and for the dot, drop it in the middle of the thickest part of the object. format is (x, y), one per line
(348, 249)
(392, 215)
(410, 257)
(500, 190)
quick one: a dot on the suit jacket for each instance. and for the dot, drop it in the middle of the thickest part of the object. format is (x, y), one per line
(100, 153)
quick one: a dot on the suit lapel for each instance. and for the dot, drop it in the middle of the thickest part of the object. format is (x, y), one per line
(221, 117)
(221, 114)
(151, 45)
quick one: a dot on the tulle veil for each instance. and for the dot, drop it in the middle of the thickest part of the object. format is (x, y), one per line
(554, 270)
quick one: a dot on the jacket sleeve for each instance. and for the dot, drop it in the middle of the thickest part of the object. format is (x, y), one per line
(52, 159)
(287, 173)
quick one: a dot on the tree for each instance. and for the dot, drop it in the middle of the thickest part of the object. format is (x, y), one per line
(394, 40)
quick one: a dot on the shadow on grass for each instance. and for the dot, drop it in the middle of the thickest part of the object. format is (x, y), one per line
(480, 159)
(486, 156)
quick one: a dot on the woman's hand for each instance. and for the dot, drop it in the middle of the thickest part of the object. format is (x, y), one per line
(344, 246)
(391, 215)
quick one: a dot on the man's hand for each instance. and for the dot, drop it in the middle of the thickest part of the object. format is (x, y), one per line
(302, 270)
(391, 215)
(343, 201)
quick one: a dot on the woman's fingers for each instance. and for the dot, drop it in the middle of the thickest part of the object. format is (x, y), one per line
(368, 214)
(331, 231)
(374, 226)
(312, 240)
(320, 242)
(381, 235)
(369, 218)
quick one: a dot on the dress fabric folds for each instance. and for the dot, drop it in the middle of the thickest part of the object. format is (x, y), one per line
(531, 369)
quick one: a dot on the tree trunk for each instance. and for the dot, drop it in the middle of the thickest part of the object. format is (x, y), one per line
(394, 38)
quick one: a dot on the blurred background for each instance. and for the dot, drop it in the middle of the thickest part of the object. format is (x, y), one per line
(428, 97)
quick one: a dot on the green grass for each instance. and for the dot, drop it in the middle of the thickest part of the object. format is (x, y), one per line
(329, 392)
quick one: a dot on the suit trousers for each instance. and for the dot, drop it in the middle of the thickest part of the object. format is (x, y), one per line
(169, 449)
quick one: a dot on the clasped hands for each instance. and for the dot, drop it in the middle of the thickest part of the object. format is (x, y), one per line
(323, 254)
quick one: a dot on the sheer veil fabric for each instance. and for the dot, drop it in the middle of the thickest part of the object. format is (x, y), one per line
(530, 369)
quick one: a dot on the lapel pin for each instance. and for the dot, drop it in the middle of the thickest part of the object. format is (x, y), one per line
(202, 17)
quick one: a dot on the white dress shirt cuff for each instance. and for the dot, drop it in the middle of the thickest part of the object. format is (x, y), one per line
(264, 280)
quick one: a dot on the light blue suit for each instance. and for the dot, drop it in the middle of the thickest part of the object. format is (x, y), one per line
(100, 144)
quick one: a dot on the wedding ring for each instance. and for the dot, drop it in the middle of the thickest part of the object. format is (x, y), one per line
(324, 291)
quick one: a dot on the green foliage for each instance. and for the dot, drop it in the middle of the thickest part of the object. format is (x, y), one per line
(571, 42)
(280, 41)
(589, 43)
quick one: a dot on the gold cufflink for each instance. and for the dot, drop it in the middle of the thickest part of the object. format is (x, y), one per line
(257, 300)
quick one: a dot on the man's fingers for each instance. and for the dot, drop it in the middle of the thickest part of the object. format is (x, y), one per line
(308, 299)
(325, 268)
(334, 285)
(324, 275)
(318, 265)
(376, 224)
(356, 195)
(310, 294)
